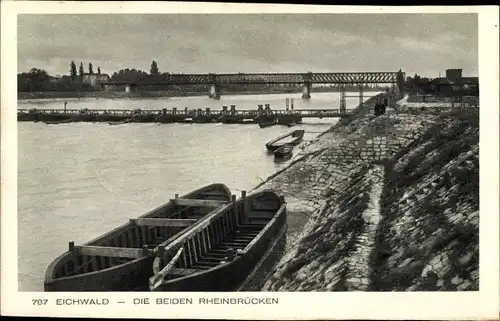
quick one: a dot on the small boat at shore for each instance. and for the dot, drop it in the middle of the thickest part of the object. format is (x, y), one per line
(267, 124)
(55, 122)
(293, 138)
(290, 124)
(220, 251)
(284, 151)
(121, 260)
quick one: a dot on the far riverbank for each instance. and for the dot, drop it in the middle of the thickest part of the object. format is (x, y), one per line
(23, 96)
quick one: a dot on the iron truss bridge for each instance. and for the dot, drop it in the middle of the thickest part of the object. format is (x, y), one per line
(271, 78)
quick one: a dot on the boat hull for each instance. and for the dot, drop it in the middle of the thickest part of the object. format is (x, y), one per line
(284, 151)
(282, 155)
(269, 124)
(112, 123)
(55, 122)
(124, 277)
(275, 143)
(264, 268)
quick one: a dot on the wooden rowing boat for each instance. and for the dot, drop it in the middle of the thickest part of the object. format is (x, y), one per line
(267, 124)
(219, 252)
(292, 138)
(119, 122)
(284, 151)
(121, 259)
(55, 122)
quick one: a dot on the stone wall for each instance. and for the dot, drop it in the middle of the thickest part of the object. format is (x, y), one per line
(343, 197)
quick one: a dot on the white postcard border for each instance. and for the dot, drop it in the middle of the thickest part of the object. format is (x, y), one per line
(310, 305)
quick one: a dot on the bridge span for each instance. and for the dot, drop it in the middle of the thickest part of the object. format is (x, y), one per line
(216, 81)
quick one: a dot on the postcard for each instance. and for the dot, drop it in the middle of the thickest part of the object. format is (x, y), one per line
(249, 161)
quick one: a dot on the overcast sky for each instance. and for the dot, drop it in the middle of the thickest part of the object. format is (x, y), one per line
(416, 43)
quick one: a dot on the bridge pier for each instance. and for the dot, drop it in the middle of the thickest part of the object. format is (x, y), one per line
(343, 105)
(361, 95)
(265, 114)
(289, 104)
(214, 92)
(306, 91)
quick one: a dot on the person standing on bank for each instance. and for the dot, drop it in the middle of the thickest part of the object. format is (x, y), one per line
(65, 103)
(376, 109)
(379, 108)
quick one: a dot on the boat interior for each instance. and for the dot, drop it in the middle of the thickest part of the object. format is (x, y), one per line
(140, 236)
(285, 149)
(288, 138)
(226, 236)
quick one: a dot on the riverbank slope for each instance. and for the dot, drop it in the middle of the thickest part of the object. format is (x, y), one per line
(384, 204)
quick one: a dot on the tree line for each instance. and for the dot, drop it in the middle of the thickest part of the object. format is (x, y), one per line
(81, 71)
(39, 80)
(433, 87)
(420, 85)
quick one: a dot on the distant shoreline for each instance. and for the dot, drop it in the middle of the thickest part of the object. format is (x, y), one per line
(54, 95)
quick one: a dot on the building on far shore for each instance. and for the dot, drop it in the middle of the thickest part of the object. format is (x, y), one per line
(55, 79)
(455, 85)
(95, 79)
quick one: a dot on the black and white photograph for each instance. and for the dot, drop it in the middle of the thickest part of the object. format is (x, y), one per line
(249, 152)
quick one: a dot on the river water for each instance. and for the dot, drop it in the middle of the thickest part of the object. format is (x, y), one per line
(79, 180)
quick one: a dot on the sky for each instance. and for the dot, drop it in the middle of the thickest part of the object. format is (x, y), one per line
(426, 44)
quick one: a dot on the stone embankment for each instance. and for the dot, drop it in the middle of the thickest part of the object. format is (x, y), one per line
(382, 204)
(434, 104)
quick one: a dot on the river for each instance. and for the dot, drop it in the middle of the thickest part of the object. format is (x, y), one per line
(79, 180)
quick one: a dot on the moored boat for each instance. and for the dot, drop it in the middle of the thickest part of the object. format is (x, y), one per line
(121, 260)
(267, 124)
(284, 151)
(292, 138)
(55, 122)
(219, 252)
(119, 122)
(247, 121)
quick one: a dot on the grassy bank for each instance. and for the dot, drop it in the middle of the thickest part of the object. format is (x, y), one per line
(386, 203)
(429, 236)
